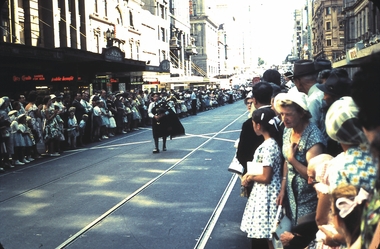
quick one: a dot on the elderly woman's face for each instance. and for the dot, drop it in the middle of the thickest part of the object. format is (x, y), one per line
(311, 175)
(289, 116)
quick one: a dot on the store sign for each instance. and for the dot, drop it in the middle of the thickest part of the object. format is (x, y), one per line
(41, 77)
(113, 80)
(352, 53)
(64, 78)
(113, 54)
(23, 78)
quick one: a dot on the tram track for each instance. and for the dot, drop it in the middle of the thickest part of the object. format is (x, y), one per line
(202, 240)
(97, 219)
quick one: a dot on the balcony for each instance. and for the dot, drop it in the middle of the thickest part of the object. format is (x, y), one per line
(191, 50)
(174, 44)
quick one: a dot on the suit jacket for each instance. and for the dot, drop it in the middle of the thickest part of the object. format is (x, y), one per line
(248, 143)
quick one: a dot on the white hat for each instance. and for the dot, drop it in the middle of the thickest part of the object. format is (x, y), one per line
(21, 116)
(298, 98)
(12, 112)
(52, 96)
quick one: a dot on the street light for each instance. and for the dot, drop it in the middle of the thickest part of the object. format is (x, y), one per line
(110, 35)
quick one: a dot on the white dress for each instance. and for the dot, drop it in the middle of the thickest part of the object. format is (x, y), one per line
(18, 140)
(260, 210)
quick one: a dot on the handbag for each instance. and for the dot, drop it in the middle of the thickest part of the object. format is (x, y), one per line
(281, 224)
(236, 167)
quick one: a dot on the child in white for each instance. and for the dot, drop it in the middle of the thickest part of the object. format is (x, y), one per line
(18, 140)
(82, 127)
(72, 128)
(260, 210)
(26, 136)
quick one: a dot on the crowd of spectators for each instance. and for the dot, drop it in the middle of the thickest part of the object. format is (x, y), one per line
(58, 122)
(330, 130)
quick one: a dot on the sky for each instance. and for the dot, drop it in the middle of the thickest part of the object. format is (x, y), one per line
(274, 21)
(272, 25)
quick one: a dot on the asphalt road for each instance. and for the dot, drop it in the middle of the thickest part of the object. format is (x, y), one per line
(118, 194)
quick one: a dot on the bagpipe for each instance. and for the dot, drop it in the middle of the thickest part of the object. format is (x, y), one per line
(168, 122)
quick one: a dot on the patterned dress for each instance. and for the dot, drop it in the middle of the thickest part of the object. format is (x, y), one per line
(302, 196)
(36, 122)
(260, 210)
(358, 169)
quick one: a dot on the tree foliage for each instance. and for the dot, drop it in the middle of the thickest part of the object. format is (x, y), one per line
(260, 61)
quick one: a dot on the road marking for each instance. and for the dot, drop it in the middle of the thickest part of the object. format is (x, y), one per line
(202, 240)
(209, 226)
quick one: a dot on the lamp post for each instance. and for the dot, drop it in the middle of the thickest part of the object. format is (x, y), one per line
(110, 35)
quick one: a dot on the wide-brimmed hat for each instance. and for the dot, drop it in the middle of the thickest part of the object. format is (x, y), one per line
(336, 85)
(342, 123)
(13, 112)
(21, 116)
(289, 74)
(322, 64)
(304, 67)
(298, 98)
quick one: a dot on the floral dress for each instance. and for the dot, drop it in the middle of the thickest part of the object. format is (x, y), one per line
(36, 122)
(358, 169)
(302, 196)
(50, 127)
(260, 210)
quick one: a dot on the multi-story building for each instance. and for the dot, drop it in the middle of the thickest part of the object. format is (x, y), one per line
(328, 29)
(361, 21)
(298, 36)
(71, 45)
(204, 29)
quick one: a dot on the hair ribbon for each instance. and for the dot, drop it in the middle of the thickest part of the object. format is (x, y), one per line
(346, 205)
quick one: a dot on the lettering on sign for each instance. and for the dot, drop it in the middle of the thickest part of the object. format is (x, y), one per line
(41, 77)
(352, 53)
(38, 77)
(64, 78)
(113, 54)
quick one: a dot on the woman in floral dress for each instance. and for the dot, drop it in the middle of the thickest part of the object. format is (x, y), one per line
(302, 140)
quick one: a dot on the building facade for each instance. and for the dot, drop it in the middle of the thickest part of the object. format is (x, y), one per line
(71, 45)
(328, 29)
(362, 38)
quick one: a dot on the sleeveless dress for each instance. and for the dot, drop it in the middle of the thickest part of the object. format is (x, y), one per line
(302, 196)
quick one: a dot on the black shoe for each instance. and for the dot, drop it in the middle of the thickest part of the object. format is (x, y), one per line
(8, 165)
(156, 151)
(164, 149)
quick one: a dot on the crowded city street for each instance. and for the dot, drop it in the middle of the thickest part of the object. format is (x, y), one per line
(116, 193)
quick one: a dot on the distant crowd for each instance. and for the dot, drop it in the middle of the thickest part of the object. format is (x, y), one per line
(60, 122)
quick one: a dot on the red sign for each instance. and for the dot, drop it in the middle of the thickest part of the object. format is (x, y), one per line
(64, 78)
(41, 77)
